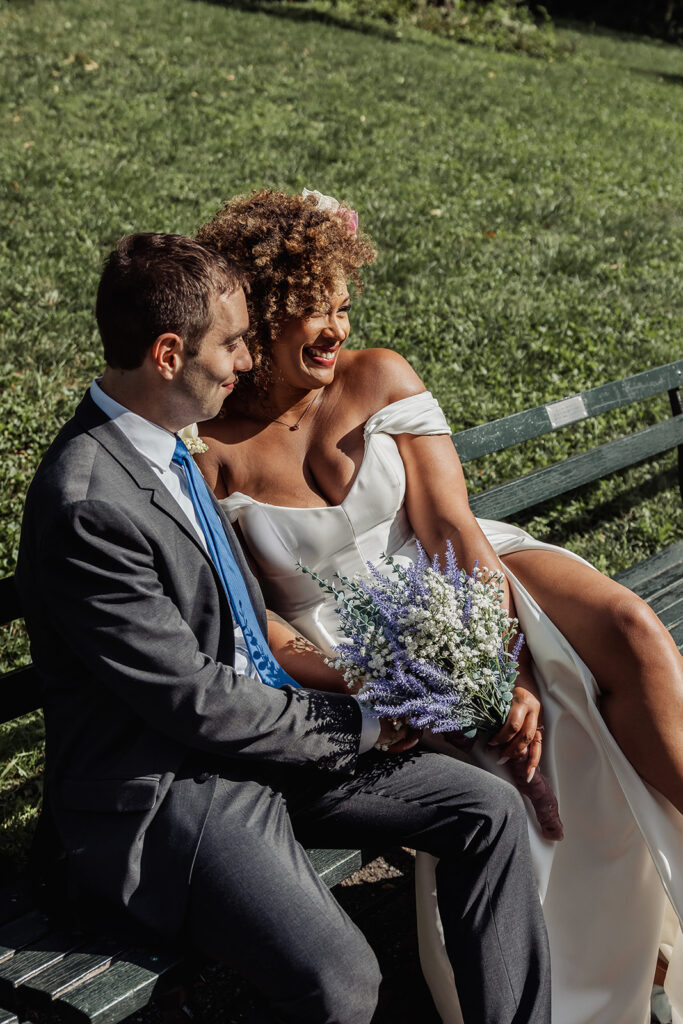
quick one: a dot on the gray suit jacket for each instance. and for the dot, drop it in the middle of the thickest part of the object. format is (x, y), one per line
(132, 633)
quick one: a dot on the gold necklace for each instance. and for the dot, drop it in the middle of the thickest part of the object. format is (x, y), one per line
(295, 426)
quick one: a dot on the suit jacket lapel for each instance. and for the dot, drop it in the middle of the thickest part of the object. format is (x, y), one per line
(106, 433)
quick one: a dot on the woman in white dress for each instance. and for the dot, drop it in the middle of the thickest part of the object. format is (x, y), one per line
(336, 457)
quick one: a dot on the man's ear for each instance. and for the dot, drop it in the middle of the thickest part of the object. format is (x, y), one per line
(167, 354)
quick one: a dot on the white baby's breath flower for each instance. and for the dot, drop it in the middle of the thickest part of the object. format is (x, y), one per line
(192, 441)
(323, 202)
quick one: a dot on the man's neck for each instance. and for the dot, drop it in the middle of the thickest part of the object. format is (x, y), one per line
(132, 389)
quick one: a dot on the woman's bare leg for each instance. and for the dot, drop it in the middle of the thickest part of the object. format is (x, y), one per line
(631, 654)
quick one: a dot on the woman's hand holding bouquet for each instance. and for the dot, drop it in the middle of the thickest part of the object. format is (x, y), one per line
(431, 648)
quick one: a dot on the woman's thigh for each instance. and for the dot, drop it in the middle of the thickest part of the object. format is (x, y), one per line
(608, 626)
(632, 656)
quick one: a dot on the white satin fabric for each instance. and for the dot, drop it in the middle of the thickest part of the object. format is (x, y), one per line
(604, 888)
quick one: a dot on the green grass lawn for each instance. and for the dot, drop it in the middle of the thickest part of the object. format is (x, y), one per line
(527, 212)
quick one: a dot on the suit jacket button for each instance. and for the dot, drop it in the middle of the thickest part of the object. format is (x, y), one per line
(203, 777)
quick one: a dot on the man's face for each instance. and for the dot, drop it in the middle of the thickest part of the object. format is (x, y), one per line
(209, 377)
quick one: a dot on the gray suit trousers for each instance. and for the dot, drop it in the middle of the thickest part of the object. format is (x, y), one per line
(256, 902)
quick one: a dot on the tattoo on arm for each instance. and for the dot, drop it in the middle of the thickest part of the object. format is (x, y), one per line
(302, 645)
(297, 642)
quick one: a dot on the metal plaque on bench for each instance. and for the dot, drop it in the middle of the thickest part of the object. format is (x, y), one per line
(569, 410)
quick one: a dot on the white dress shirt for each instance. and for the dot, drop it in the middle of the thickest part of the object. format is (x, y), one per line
(157, 445)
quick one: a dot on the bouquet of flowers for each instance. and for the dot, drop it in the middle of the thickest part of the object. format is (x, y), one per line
(435, 648)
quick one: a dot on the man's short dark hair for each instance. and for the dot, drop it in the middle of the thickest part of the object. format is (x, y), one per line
(155, 284)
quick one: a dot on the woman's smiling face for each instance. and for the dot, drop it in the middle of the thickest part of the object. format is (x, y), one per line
(305, 352)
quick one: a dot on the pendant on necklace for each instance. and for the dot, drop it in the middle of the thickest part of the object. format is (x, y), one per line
(295, 427)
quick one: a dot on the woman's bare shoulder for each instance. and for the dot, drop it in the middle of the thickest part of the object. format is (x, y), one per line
(380, 376)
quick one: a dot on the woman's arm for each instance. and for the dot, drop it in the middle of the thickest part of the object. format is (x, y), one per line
(438, 510)
(302, 659)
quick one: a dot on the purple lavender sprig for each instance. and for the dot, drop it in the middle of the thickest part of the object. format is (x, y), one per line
(429, 645)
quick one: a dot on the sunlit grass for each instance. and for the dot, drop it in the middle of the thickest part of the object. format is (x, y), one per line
(527, 213)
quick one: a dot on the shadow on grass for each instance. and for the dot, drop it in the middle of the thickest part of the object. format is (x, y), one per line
(298, 14)
(663, 76)
(590, 27)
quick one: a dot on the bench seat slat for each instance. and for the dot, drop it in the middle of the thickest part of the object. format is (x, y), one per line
(7, 1017)
(27, 963)
(672, 613)
(524, 426)
(335, 865)
(17, 934)
(666, 597)
(664, 589)
(76, 968)
(554, 480)
(655, 574)
(637, 576)
(125, 987)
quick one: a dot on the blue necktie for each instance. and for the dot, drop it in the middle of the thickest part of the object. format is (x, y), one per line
(217, 543)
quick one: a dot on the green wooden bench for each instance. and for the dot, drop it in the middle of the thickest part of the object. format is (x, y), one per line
(44, 967)
(659, 579)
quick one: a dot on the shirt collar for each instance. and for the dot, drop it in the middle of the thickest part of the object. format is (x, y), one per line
(155, 443)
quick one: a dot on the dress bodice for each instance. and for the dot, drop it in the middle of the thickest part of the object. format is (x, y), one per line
(369, 522)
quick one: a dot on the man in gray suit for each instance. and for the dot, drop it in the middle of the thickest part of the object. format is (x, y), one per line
(181, 788)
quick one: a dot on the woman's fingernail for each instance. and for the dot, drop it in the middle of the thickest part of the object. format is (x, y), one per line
(530, 774)
(503, 760)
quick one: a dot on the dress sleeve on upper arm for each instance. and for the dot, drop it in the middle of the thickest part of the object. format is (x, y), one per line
(234, 503)
(417, 414)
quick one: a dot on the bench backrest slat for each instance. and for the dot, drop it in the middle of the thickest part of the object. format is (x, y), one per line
(552, 481)
(9, 601)
(543, 419)
(21, 691)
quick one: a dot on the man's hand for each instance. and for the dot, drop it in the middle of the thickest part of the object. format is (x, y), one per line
(395, 736)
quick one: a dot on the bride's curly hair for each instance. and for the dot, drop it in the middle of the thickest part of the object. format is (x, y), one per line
(292, 253)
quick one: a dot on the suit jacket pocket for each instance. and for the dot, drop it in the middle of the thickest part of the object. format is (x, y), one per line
(107, 795)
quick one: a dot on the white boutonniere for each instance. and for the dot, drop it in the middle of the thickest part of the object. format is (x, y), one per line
(192, 441)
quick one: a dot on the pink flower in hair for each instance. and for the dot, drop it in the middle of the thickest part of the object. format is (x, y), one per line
(351, 220)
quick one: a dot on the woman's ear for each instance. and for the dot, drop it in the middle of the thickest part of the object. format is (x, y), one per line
(166, 354)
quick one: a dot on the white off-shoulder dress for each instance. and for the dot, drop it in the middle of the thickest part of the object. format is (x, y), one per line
(604, 888)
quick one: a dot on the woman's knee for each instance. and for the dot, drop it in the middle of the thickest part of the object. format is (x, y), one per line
(634, 633)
